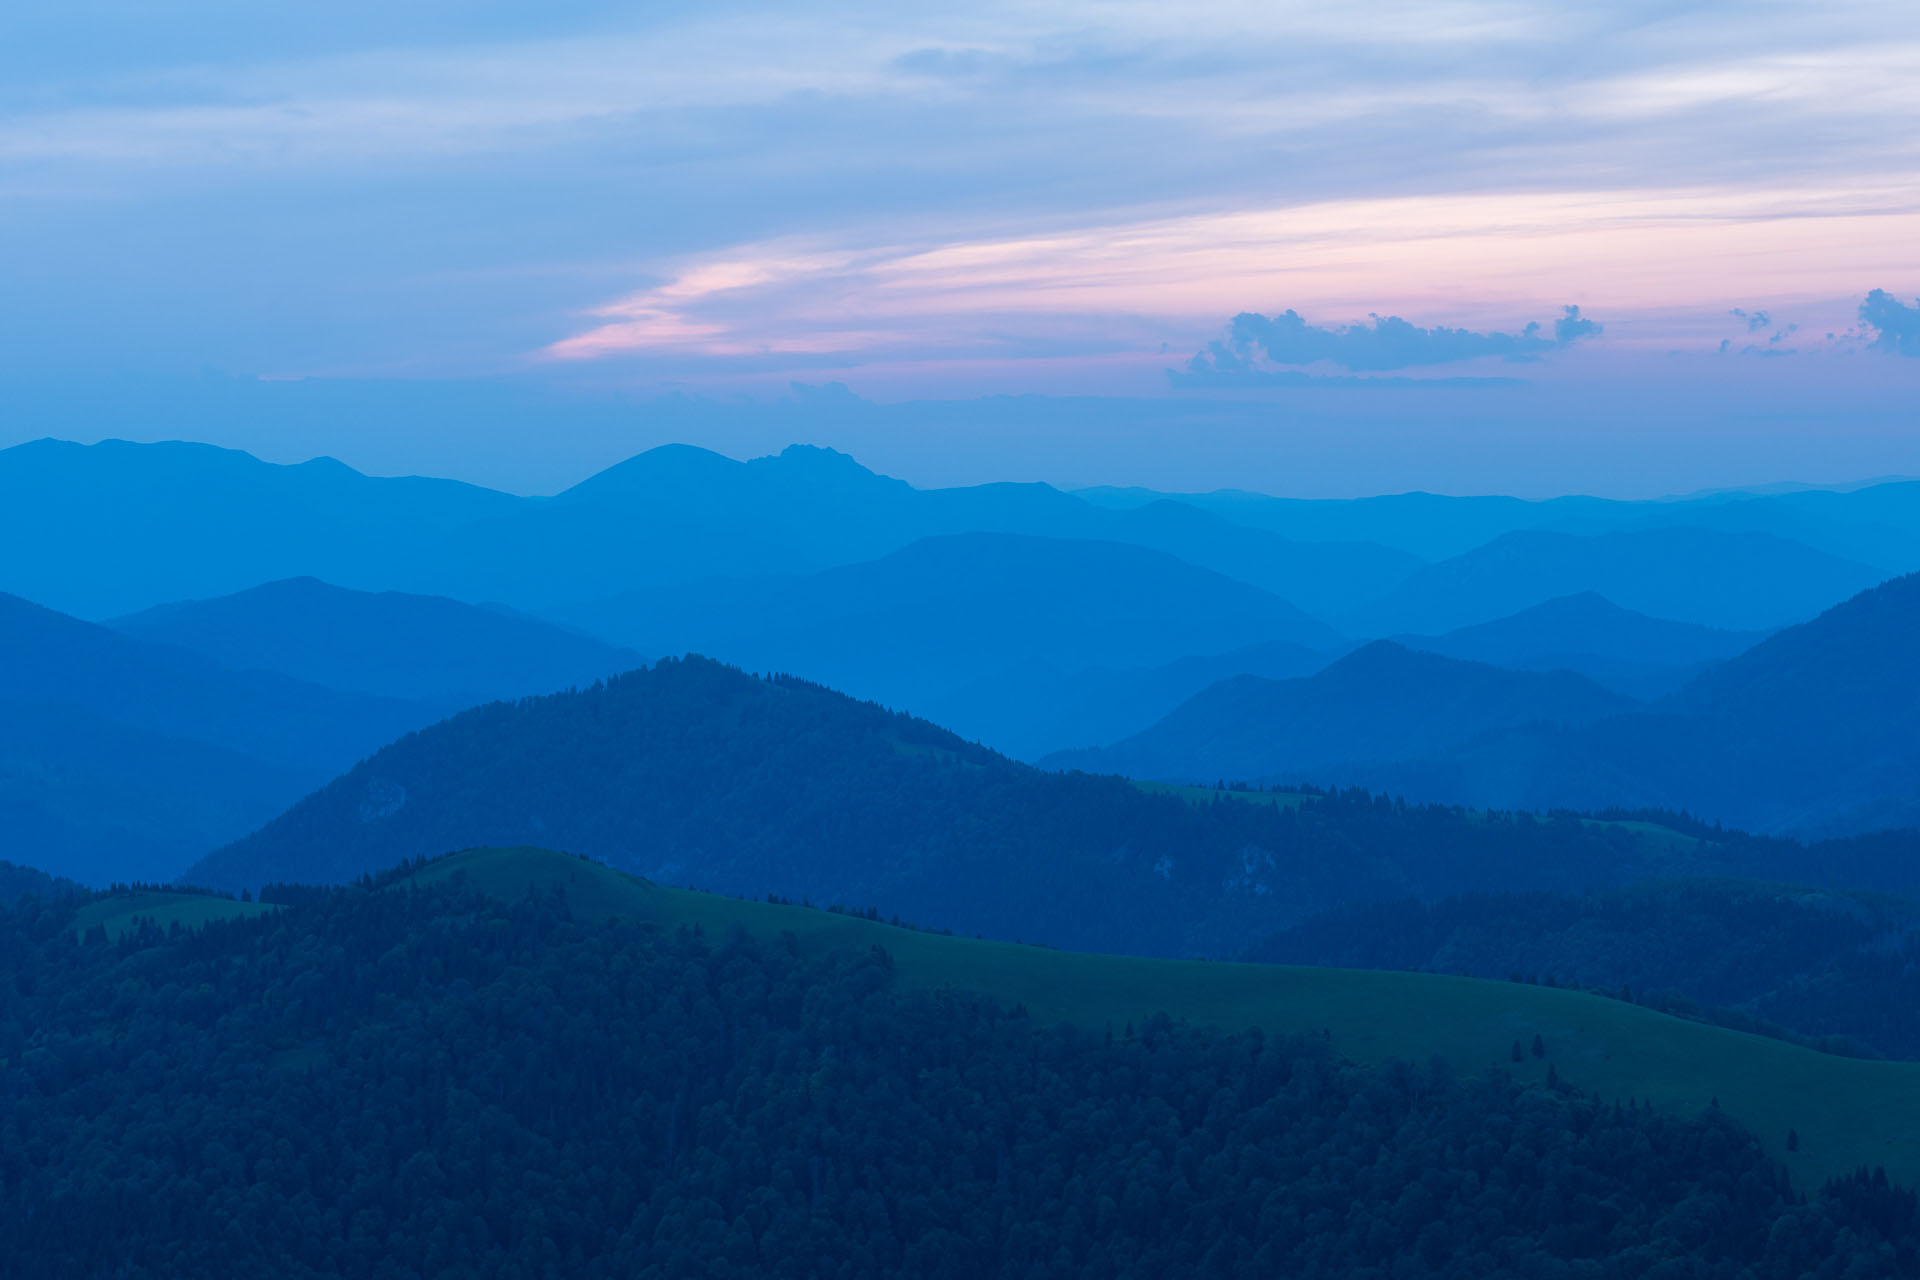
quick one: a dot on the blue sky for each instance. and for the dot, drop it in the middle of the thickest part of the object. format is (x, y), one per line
(577, 209)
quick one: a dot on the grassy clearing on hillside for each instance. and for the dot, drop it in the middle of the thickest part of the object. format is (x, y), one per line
(1652, 832)
(1205, 795)
(1848, 1112)
(120, 912)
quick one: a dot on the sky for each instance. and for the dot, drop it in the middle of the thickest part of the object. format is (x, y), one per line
(1524, 247)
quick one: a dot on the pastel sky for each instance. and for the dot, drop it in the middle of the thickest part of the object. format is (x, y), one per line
(590, 205)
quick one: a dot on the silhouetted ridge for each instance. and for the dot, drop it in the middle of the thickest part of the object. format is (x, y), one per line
(124, 758)
(691, 772)
(1380, 702)
(1626, 651)
(1740, 580)
(1810, 730)
(388, 643)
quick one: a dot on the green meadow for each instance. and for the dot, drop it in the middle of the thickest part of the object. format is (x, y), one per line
(119, 912)
(1847, 1112)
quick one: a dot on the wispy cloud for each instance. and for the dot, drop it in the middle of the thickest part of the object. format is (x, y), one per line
(1757, 322)
(861, 182)
(1483, 260)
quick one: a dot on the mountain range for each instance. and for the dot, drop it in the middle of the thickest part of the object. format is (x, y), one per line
(1809, 730)
(1628, 652)
(118, 528)
(1381, 702)
(269, 625)
(426, 648)
(1035, 710)
(122, 527)
(1876, 523)
(1736, 581)
(952, 612)
(123, 758)
(128, 751)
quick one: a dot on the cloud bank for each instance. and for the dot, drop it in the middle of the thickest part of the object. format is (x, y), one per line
(1896, 323)
(1255, 343)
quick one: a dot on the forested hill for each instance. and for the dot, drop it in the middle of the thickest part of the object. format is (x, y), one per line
(17, 882)
(1816, 964)
(432, 1082)
(691, 772)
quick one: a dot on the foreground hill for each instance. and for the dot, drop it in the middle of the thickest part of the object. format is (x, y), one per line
(565, 1077)
(1628, 652)
(121, 758)
(1609, 1046)
(1815, 963)
(692, 772)
(426, 648)
(1739, 581)
(1380, 702)
(953, 613)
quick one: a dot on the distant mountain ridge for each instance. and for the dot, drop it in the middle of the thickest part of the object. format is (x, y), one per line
(1381, 702)
(390, 644)
(1032, 711)
(947, 614)
(124, 758)
(1876, 523)
(125, 527)
(1589, 634)
(1811, 730)
(1735, 581)
(120, 527)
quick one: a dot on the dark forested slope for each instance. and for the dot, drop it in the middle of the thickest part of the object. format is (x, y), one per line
(17, 882)
(1819, 963)
(693, 772)
(419, 1083)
